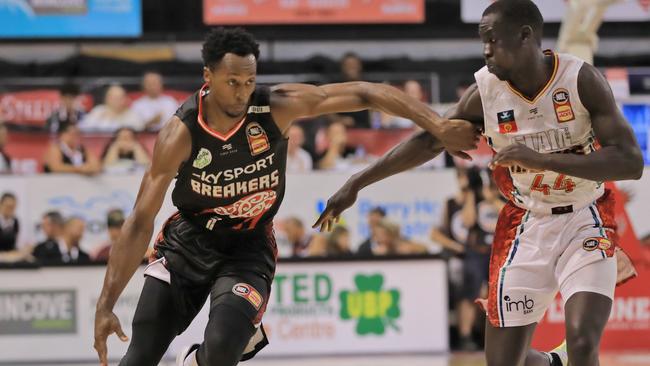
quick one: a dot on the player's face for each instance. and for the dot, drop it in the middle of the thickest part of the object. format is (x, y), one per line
(232, 82)
(500, 46)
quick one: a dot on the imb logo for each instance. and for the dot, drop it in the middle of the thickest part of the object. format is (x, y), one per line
(38, 312)
(372, 307)
(526, 305)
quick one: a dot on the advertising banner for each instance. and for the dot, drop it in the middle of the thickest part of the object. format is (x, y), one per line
(223, 12)
(70, 18)
(416, 206)
(315, 309)
(554, 10)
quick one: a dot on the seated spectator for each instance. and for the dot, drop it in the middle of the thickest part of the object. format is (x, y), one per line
(68, 112)
(339, 155)
(48, 251)
(9, 226)
(68, 155)
(5, 159)
(124, 153)
(113, 114)
(299, 239)
(154, 108)
(67, 249)
(351, 68)
(373, 217)
(387, 240)
(383, 120)
(114, 222)
(298, 160)
(337, 244)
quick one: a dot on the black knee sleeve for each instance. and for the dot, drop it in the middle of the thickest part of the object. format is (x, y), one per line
(226, 336)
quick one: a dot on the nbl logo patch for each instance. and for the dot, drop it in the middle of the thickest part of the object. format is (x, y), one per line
(507, 122)
(249, 293)
(257, 139)
(591, 244)
(562, 106)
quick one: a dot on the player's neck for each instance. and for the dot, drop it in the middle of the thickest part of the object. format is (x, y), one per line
(217, 119)
(533, 75)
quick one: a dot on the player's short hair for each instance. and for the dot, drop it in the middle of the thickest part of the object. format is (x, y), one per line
(220, 41)
(518, 13)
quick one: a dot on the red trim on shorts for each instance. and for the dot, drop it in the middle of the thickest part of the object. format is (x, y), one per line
(605, 206)
(503, 180)
(270, 236)
(159, 238)
(506, 231)
(209, 130)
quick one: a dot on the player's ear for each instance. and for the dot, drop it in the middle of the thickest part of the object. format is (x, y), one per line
(526, 33)
(206, 74)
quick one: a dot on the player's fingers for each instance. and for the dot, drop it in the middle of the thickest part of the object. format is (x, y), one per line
(337, 219)
(100, 347)
(120, 333)
(323, 216)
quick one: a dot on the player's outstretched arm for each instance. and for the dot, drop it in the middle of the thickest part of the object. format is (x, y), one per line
(171, 149)
(618, 158)
(292, 101)
(410, 153)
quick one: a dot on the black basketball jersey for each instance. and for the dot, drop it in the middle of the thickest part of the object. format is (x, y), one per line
(232, 181)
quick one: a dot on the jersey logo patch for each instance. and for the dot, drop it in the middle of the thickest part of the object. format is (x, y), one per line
(591, 244)
(562, 106)
(203, 158)
(249, 293)
(507, 123)
(257, 139)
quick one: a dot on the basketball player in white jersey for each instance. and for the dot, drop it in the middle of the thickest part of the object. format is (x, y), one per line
(557, 134)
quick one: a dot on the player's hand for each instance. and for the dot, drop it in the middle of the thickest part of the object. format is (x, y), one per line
(339, 202)
(459, 135)
(520, 155)
(106, 323)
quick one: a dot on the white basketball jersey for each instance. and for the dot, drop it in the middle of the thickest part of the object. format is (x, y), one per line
(555, 121)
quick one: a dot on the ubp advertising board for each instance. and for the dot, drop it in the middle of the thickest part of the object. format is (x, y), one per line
(315, 308)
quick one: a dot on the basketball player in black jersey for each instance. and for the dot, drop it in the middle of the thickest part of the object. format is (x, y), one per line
(227, 149)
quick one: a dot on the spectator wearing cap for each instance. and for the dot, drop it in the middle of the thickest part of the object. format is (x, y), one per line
(68, 112)
(114, 222)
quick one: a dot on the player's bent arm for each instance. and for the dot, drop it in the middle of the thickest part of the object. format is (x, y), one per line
(292, 101)
(619, 157)
(172, 148)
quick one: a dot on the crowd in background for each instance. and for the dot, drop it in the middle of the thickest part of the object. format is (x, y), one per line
(316, 144)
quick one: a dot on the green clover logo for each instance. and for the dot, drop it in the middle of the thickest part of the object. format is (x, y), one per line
(375, 309)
